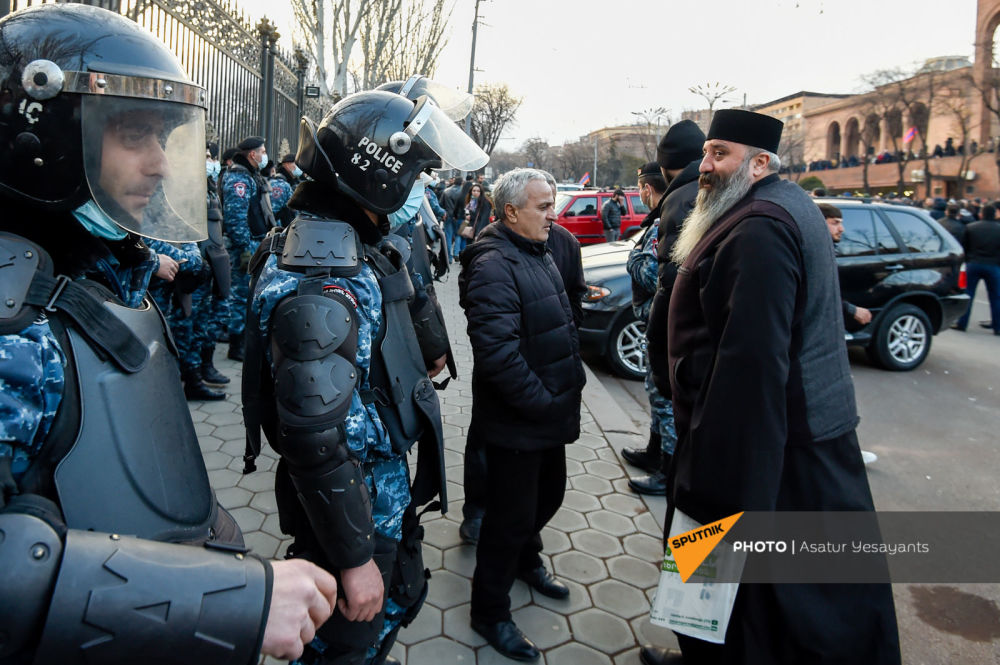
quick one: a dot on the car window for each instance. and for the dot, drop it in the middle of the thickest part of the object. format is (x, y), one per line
(917, 234)
(886, 243)
(638, 207)
(583, 206)
(858, 238)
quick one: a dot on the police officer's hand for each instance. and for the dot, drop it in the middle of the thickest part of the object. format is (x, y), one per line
(438, 365)
(302, 598)
(363, 589)
(168, 268)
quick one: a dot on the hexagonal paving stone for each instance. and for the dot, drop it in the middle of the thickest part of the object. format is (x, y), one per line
(630, 657)
(441, 533)
(221, 478)
(619, 599)
(568, 520)
(580, 567)
(592, 485)
(265, 502)
(648, 525)
(248, 518)
(398, 651)
(231, 433)
(608, 455)
(432, 557)
(644, 547)
(554, 541)
(603, 469)
(574, 468)
(576, 654)
(594, 440)
(209, 443)
(440, 650)
(460, 560)
(520, 594)
(579, 453)
(594, 542)
(197, 416)
(262, 544)
(611, 523)
(646, 632)
(458, 419)
(543, 627)
(628, 569)
(630, 506)
(448, 590)
(272, 525)
(579, 598)
(456, 626)
(236, 448)
(601, 630)
(233, 497)
(425, 626)
(216, 460)
(203, 428)
(222, 406)
(580, 501)
(257, 482)
(225, 418)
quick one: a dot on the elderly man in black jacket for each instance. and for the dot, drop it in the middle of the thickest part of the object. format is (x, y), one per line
(527, 381)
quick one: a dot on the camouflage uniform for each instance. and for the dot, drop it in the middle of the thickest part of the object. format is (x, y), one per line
(182, 325)
(281, 191)
(238, 190)
(642, 268)
(386, 473)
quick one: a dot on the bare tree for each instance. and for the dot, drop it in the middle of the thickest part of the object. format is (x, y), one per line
(331, 28)
(311, 22)
(574, 159)
(649, 121)
(536, 151)
(399, 38)
(885, 99)
(989, 91)
(494, 110)
(792, 152)
(953, 102)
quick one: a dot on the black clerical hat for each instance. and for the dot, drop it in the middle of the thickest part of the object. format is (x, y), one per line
(746, 127)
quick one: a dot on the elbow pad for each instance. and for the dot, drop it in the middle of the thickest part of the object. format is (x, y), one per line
(118, 599)
(432, 335)
(314, 346)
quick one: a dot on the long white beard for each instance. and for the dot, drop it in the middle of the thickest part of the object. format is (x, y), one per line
(710, 205)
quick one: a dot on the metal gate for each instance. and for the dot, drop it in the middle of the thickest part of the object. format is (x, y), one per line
(254, 89)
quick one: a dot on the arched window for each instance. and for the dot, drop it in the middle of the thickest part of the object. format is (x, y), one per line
(833, 142)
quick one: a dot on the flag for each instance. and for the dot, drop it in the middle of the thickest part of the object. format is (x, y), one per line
(910, 134)
(585, 179)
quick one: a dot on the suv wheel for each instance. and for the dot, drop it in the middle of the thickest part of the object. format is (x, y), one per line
(903, 339)
(626, 351)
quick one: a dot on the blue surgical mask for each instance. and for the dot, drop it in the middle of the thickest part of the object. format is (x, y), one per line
(410, 208)
(212, 168)
(263, 161)
(97, 222)
(297, 172)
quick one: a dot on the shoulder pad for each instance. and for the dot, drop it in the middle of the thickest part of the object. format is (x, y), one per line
(322, 243)
(20, 259)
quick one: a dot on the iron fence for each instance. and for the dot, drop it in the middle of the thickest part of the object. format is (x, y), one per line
(254, 89)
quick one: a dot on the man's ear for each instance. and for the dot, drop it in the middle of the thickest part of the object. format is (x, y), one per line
(761, 162)
(510, 212)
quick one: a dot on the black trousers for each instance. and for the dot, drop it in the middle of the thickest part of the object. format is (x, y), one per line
(525, 489)
(474, 470)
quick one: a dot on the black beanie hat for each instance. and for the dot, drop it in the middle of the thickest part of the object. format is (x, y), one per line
(650, 168)
(746, 127)
(213, 149)
(680, 146)
(251, 143)
(229, 154)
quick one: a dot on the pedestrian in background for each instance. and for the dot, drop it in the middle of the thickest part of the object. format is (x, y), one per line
(478, 210)
(982, 263)
(611, 215)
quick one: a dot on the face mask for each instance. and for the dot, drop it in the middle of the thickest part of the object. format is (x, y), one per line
(263, 161)
(212, 169)
(97, 222)
(297, 172)
(410, 208)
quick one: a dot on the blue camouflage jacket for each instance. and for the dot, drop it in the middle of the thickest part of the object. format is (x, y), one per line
(642, 268)
(237, 190)
(281, 191)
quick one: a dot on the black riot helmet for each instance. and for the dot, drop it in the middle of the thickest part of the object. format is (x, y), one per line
(95, 110)
(373, 145)
(455, 104)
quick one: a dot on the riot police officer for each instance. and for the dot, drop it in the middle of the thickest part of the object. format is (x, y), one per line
(334, 374)
(112, 546)
(247, 216)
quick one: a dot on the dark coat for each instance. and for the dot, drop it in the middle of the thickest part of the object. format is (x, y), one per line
(982, 242)
(481, 218)
(527, 375)
(764, 408)
(677, 203)
(955, 227)
(565, 250)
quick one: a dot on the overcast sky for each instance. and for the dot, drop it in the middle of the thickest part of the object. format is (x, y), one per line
(582, 65)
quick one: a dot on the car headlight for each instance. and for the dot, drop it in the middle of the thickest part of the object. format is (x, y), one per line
(595, 293)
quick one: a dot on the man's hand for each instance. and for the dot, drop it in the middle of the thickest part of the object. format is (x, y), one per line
(862, 315)
(168, 268)
(302, 598)
(438, 365)
(363, 589)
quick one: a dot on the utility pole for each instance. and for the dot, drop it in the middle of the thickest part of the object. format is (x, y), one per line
(472, 66)
(594, 180)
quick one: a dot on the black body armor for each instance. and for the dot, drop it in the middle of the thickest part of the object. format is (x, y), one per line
(214, 248)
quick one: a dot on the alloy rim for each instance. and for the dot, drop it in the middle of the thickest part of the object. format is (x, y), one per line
(907, 339)
(631, 347)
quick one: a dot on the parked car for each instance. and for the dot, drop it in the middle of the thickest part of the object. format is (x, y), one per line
(579, 211)
(894, 260)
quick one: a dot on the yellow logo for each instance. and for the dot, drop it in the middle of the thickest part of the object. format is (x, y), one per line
(692, 547)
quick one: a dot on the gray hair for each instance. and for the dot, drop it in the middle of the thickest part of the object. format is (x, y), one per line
(510, 188)
(774, 162)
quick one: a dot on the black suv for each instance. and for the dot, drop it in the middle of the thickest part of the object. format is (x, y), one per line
(894, 260)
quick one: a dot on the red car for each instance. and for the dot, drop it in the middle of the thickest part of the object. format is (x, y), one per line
(579, 211)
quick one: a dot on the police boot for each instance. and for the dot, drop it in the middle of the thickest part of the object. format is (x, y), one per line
(649, 459)
(209, 374)
(195, 389)
(235, 348)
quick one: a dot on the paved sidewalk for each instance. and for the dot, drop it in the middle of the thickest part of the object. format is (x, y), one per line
(604, 542)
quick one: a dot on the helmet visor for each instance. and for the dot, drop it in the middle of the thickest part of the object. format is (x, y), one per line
(455, 103)
(144, 162)
(440, 133)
